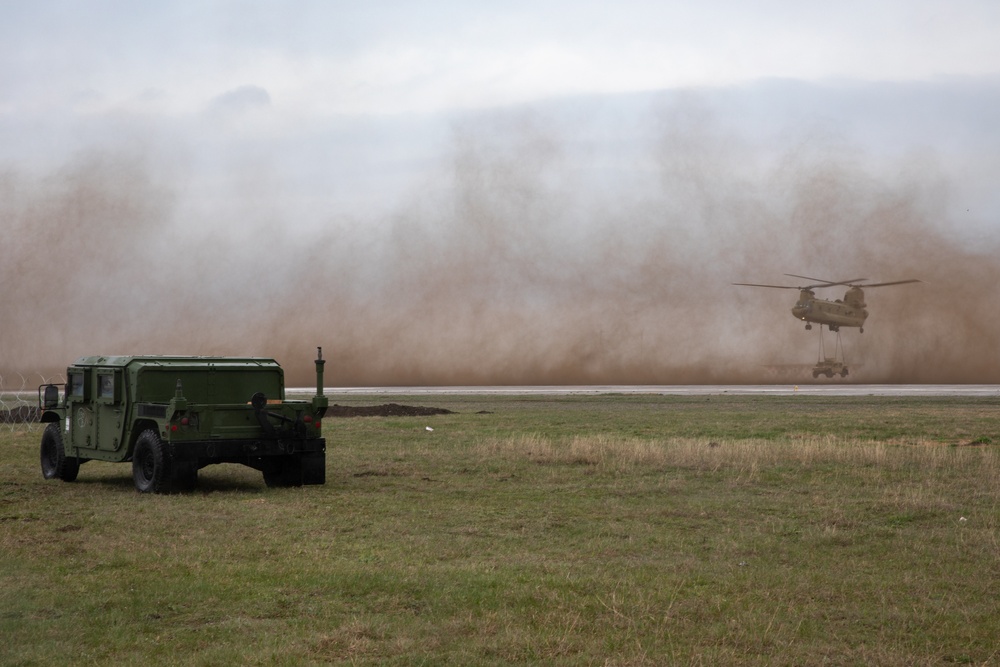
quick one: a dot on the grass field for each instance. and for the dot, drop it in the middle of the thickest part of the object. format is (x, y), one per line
(575, 530)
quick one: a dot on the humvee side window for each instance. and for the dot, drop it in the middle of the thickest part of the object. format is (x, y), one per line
(106, 386)
(76, 385)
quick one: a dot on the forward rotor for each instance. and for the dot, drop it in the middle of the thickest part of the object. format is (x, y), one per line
(822, 283)
(850, 282)
(856, 282)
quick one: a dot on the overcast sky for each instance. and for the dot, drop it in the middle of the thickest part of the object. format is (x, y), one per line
(317, 57)
(370, 90)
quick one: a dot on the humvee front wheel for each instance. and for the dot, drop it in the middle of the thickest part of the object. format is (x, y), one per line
(55, 463)
(152, 468)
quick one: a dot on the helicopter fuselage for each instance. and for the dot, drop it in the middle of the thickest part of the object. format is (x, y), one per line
(849, 312)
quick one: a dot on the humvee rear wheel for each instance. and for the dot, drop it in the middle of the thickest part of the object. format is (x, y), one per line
(55, 463)
(283, 471)
(151, 464)
(185, 475)
(314, 468)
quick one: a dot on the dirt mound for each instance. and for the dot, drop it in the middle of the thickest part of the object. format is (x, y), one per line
(386, 410)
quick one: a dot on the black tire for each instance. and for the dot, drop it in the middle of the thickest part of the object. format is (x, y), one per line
(185, 475)
(152, 467)
(282, 471)
(55, 463)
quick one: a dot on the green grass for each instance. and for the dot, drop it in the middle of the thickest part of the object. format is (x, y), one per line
(610, 530)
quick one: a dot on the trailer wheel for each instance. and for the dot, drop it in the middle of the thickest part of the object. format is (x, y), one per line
(151, 464)
(55, 463)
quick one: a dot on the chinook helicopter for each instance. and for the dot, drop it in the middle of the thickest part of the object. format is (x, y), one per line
(847, 312)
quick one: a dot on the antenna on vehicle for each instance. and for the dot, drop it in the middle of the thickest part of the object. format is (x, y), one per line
(320, 362)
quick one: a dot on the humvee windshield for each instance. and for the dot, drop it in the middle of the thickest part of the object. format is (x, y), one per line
(76, 385)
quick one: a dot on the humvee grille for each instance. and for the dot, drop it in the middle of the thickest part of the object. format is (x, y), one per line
(152, 411)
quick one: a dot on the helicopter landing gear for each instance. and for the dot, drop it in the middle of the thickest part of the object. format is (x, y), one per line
(861, 329)
(809, 327)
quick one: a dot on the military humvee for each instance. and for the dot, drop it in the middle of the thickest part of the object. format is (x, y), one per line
(171, 416)
(830, 367)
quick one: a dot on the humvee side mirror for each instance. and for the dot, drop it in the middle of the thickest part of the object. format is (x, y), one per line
(50, 399)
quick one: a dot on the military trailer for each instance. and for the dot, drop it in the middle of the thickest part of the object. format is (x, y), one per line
(171, 416)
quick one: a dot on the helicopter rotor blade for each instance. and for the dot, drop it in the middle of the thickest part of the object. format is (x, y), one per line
(828, 283)
(806, 277)
(894, 282)
(851, 282)
(772, 286)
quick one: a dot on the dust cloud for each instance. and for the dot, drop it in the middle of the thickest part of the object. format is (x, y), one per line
(530, 255)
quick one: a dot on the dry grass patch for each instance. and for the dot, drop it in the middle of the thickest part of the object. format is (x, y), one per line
(622, 453)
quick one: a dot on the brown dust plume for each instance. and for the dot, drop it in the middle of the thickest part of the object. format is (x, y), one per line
(527, 257)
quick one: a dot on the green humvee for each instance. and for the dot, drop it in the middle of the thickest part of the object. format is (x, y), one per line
(171, 416)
